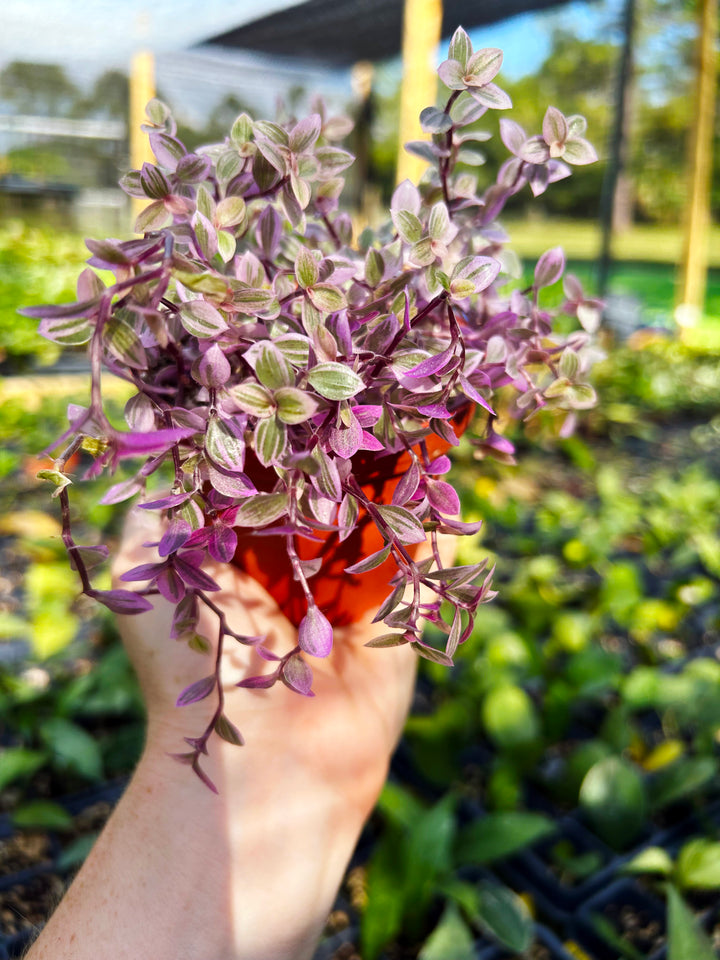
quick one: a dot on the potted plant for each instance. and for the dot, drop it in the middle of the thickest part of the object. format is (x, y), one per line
(298, 387)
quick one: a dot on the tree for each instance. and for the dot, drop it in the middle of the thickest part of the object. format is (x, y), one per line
(38, 88)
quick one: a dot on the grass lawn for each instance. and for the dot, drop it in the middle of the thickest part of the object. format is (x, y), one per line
(644, 268)
(581, 240)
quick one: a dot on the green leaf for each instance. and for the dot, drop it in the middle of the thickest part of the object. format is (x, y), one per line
(202, 283)
(242, 129)
(274, 154)
(473, 158)
(18, 762)
(253, 398)
(439, 222)
(405, 525)
(698, 865)
(77, 852)
(252, 300)
(433, 120)
(407, 225)
(295, 349)
(73, 748)
(229, 165)
(685, 938)
(421, 252)
(509, 717)
(42, 814)
(374, 267)
(272, 131)
(388, 640)
(228, 731)
(504, 915)
(67, 331)
(157, 112)
(613, 797)
(230, 212)
(327, 297)
(307, 270)
(154, 217)
(399, 805)
(223, 447)
(202, 319)
(685, 777)
(387, 894)
(261, 509)
(294, 406)
(205, 202)
(452, 939)
(335, 381)
(124, 344)
(460, 47)
(650, 860)
(226, 245)
(154, 182)
(498, 835)
(272, 368)
(332, 160)
(270, 439)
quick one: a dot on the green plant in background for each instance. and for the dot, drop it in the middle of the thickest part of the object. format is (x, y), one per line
(419, 886)
(696, 868)
(36, 263)
(74, 721)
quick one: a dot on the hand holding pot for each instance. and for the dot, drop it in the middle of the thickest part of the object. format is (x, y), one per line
(180, 873)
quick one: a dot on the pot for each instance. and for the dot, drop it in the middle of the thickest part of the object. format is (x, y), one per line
(341, 596)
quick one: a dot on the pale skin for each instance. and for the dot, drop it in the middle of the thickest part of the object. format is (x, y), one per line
(180, 873)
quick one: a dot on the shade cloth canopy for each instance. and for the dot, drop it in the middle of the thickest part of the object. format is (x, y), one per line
(341, 32)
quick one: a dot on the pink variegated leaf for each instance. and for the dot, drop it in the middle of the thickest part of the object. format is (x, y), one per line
(193, 576)
(315, 633)
(196, 691)
(442, 497)
(165, 503)
(371, 562)
(408, 485)
(170, 585)
(472, 394)
(222, 543)
(177, 532)
(297, 675)
(433, 365)
(156, 441)
(440, 464)
(259, 683)
(124, 602)
(144, 571)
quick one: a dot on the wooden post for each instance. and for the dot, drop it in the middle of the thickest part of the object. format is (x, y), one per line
(693, 270)
(422, 26)
(142, 89)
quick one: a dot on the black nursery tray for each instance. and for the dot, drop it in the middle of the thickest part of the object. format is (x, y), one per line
(32, 875)
(539, 871)
(634, 916)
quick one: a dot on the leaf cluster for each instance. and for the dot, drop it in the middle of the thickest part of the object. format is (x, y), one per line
(272, 352)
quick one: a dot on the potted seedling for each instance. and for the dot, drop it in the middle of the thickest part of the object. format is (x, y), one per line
(297, 387)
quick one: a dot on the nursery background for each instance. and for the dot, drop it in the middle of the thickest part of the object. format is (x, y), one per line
(557, 794)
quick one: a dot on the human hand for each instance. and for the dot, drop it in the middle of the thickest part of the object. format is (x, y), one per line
(294, 798)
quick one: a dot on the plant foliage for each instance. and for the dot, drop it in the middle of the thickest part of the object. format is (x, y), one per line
(272, 352)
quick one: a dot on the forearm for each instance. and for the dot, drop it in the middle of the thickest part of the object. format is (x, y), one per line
(182, 874)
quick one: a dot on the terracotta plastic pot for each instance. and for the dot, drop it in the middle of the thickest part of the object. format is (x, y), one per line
(342, 597)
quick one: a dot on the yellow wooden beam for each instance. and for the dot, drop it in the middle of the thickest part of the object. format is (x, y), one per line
(422, 26)
(142, 90)
(693, 270)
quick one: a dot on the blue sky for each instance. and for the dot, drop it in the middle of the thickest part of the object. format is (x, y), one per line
(88, 36)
